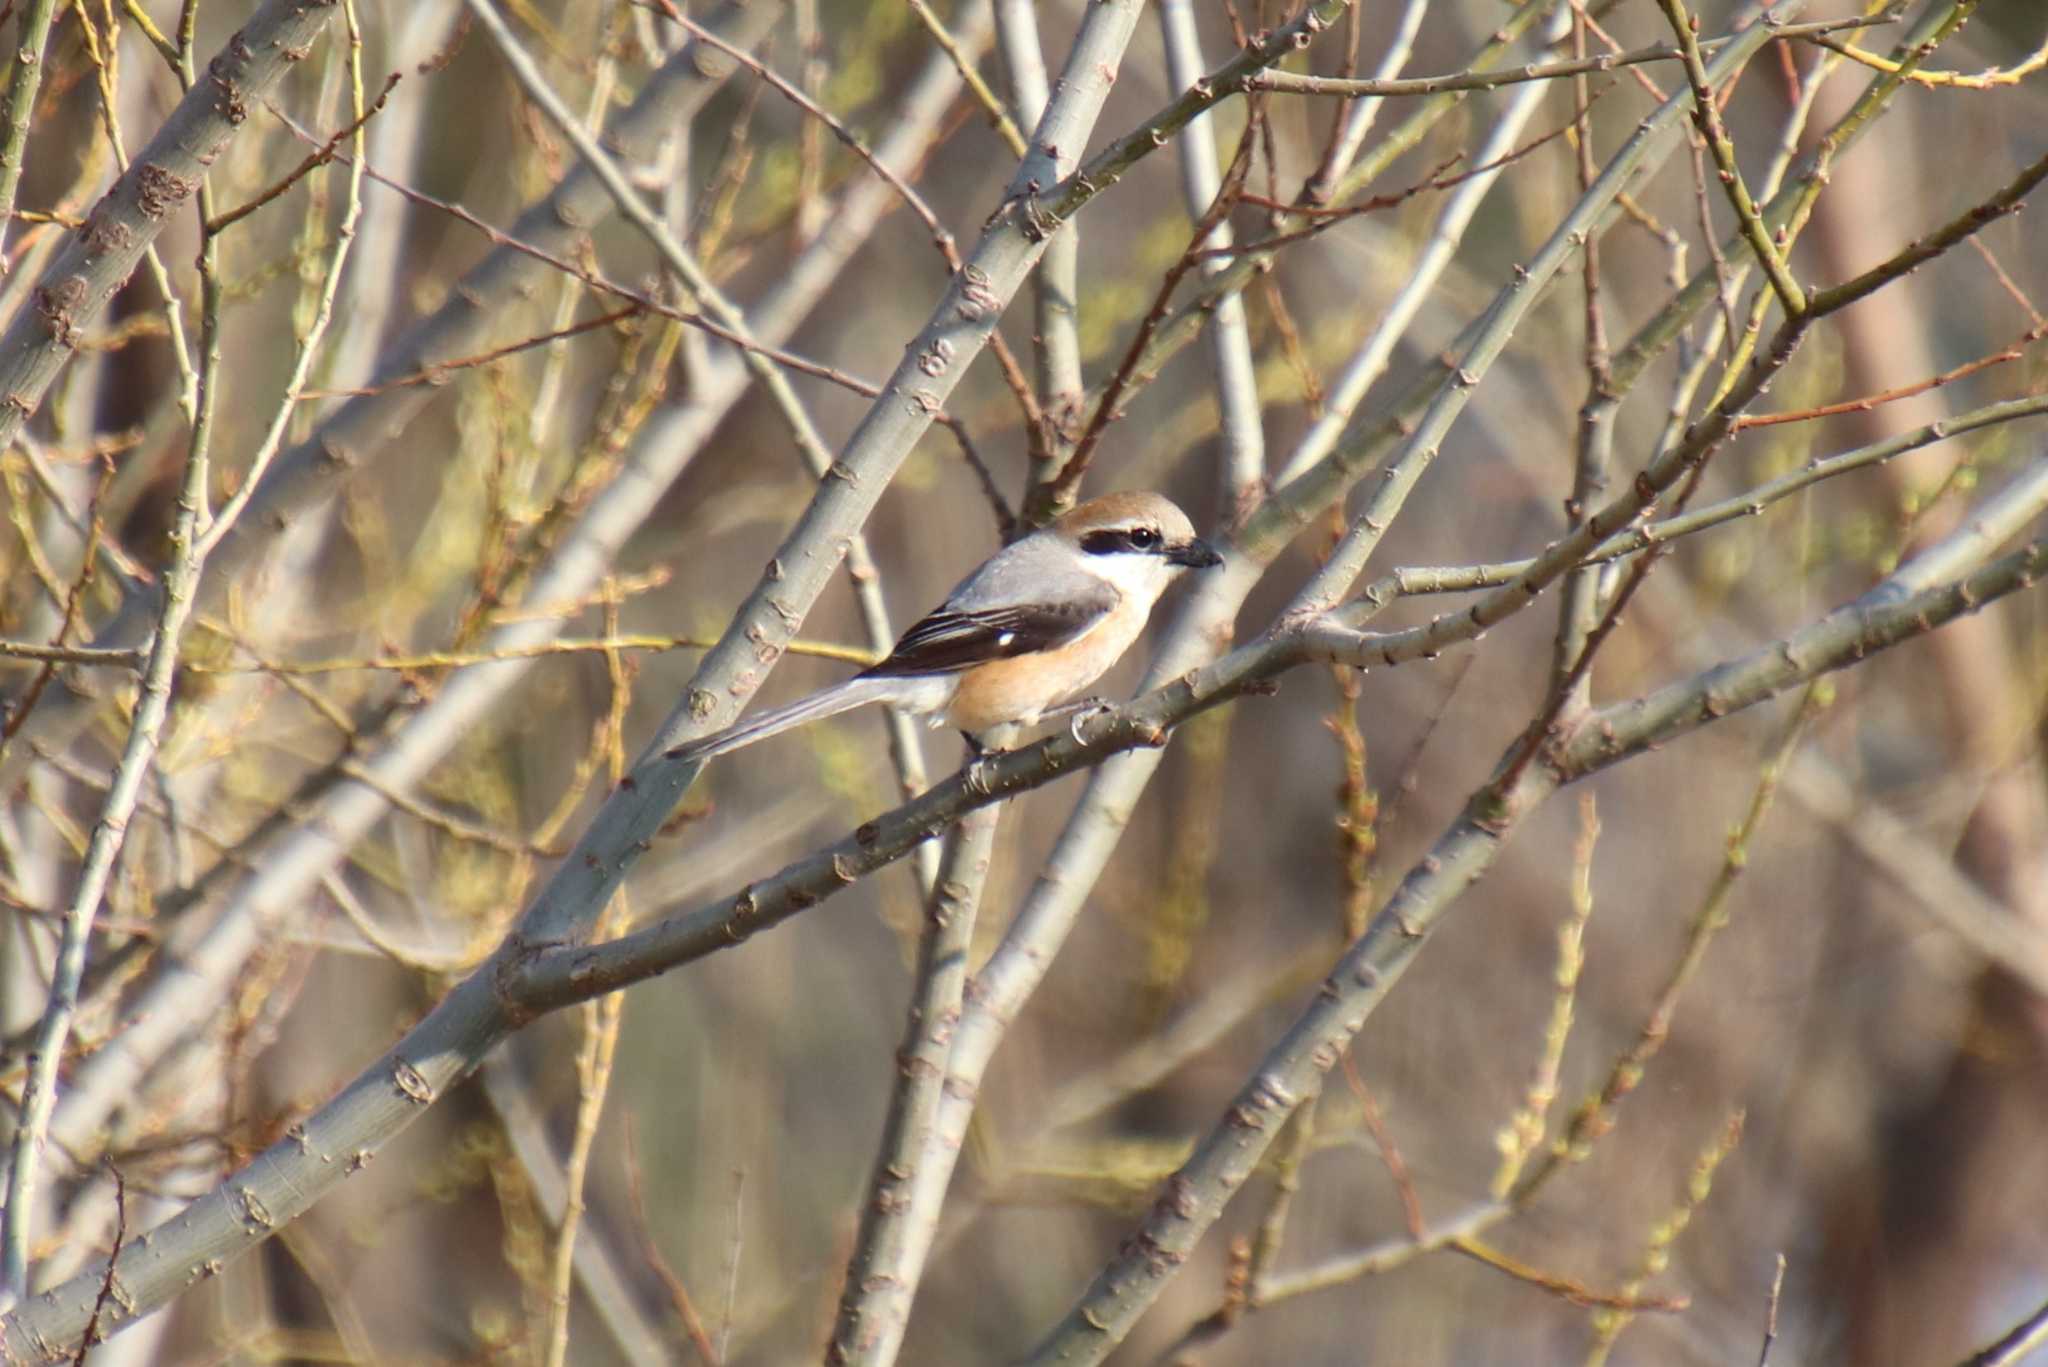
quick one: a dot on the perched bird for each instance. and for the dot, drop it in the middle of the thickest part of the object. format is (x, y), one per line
(1042, 619)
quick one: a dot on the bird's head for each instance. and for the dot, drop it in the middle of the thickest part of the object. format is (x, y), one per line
(1137, 540)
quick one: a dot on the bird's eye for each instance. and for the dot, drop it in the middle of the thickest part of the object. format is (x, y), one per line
(1143, 538)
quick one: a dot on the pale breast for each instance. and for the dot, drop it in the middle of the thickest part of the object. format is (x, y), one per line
(1017, 690)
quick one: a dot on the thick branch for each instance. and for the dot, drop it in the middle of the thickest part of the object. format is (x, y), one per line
(1194, 1196)
(100, 256)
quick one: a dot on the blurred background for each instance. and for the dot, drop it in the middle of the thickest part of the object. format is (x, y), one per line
(1847, 1082)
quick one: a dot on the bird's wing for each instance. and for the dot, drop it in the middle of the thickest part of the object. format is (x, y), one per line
(993, 616)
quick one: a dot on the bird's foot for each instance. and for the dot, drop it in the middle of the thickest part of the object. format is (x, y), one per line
(980, 756)
(1083, 712)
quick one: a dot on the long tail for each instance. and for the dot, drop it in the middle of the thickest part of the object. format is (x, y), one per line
(830, 702)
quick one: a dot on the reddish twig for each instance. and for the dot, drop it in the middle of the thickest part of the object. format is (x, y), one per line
(92, 1326)
(1108, 408)
(2012, 288)
(1325, 218)
(1390, 1153)
(74, 603)
(308, 166)
(598, 283)
(1905, 391)
(1578, 1293)
(1006, 360)
(440, 370)
(678, 1294)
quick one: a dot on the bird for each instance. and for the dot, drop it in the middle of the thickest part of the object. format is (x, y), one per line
(1026, 632)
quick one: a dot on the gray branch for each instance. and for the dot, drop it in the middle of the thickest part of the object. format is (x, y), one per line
(1192, 1199)
(361, 431)
(99, 257)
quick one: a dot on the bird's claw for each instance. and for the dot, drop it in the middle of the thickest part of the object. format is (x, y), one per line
(979, 775)
(1084, 714)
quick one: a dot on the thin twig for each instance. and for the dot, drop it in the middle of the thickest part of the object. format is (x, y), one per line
(998, 117)
(1523, 1134)
(1059, 492)
(1906, 391)
(440, 371)
(91, 1335)
(1295, 83)
(592, 280)
(1055, 287)
(1763, 1357)
(1954, 80)
(312, 163)
(1632, 1301)
(1707, 114)
(315, 333)
(678, 1294)
(1579, 603)
(190, 546)
(1013, 374)
(1609, 1322)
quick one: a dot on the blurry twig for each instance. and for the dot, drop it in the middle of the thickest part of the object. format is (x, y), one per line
(1954, 80)
(998, 118)
(593, 1074)
(1441, 178)
(1925, 873)
(440, 371)
(1295, 1148)
(1763, 1357)
(678, 1294)
(1579, 604)
(1610, 1320)
(1292, 83)
(91, 1336)
(940, 236)
(604, 1275)
(1013, 374)
(600, 285)
(1410, 580)
(1055, 285)
(320, 158)
(2014, 1346)
(23, 80)
(1059, 492)
(1524, 1132)
(1628, 1300)
(1199, 1027)
(1241, 474)
(600, 1020)
(450, 659)
(19, 708)
(1390, 1153)
(1358, 806)
(197, 529)
(2007, 283)
(1594, 1116)
(733, 1249)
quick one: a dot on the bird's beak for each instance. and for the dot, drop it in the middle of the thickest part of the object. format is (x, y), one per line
(1194, 554)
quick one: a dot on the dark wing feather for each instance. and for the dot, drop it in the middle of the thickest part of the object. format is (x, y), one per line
(949, 641)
